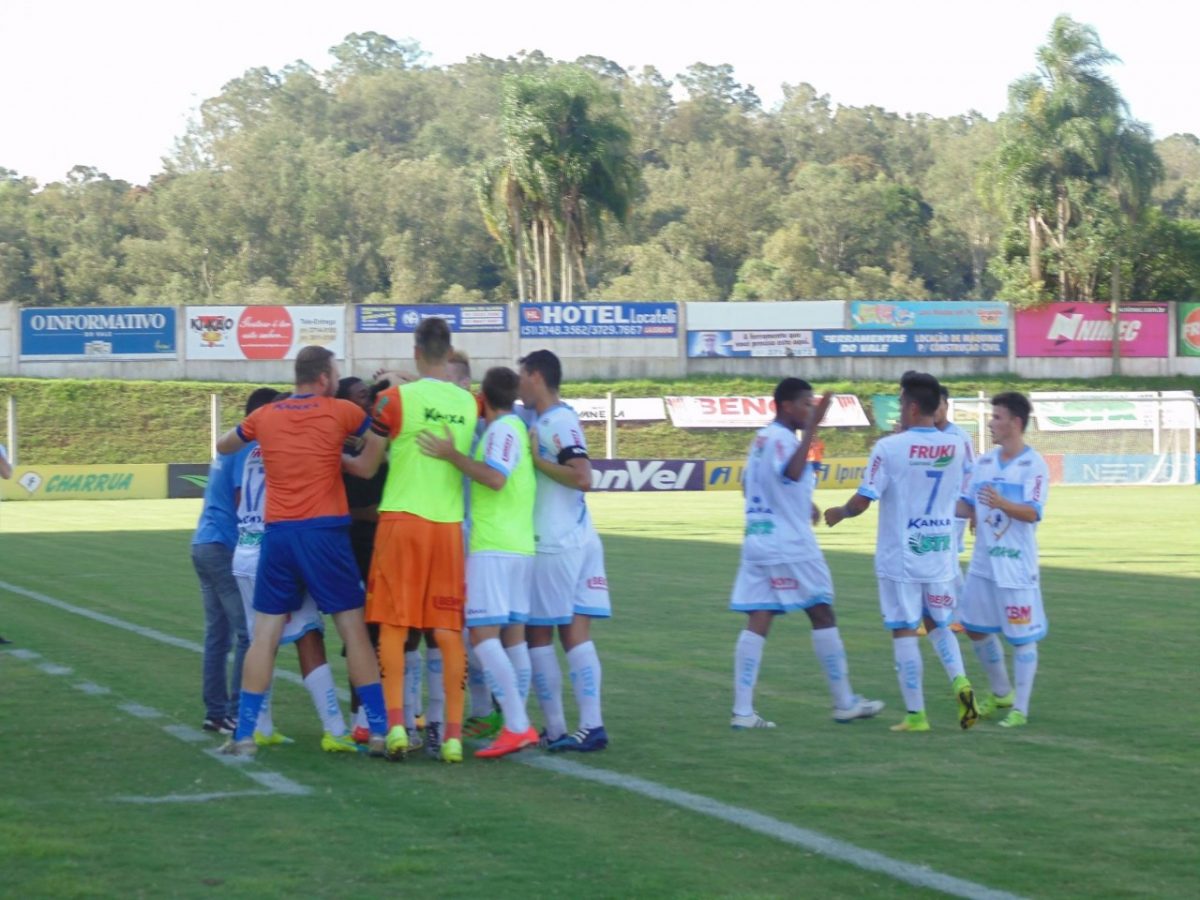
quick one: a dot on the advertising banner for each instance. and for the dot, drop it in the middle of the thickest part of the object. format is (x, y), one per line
(1163, 468)
(800, 315)
(405, 319)
(647, 474)
(98, 333)
(846, 473)
(1189, 329)
(702, 344)
(263, 332)
(916, 315)
(887, 411)
(646, 410)
(186, 480)
(1176, 410)
(912, 343)
(135, 482)
(599, 320)
(755, 412)
(1085, 330)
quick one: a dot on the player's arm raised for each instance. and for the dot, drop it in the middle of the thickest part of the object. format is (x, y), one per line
(573, 471)
(443, 448)
(799, 460)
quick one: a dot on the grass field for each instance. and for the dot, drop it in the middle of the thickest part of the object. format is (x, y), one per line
(1097, 797)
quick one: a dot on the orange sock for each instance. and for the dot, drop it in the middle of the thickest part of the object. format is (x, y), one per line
(454, 678)
(391, 666)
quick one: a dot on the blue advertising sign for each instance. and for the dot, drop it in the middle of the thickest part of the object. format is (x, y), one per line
(919, 315)
(846, 343)
(98, 333)
(405, 319)
(599, 320)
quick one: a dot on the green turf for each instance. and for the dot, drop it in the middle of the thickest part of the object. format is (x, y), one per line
(1096, 797)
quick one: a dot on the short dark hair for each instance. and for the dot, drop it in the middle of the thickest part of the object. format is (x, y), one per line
(458, 357)
(1017, 404)
(432, 338)
(500, 387)
(923, 389)
(260, 397)
(943, 392)
(790, 389)
(312, 362)
(545, 363)
(344, 385)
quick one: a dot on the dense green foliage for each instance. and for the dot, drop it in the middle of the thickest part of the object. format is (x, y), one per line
(384, 178)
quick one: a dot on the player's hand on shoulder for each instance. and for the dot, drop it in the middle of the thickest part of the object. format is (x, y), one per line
(393, 377)
(437, 447)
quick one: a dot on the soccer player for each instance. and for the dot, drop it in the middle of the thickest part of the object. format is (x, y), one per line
(417, 572)
(782, 568)
(941, 421)
(570, 587)
(917, 476)
(306, 543)
(1007, 496)
(500, 558)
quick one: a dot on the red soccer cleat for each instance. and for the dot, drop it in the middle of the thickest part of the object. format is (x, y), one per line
(508, 742)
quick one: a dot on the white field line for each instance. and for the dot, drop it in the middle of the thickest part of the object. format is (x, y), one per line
(195, 798)
(785, 832)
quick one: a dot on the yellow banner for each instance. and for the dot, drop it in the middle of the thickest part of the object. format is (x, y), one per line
(834, 472)
(139, 482)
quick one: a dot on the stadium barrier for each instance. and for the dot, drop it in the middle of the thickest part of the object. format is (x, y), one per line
(132, 482)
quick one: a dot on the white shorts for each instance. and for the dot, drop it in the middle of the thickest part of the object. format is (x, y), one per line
(498, 588)
(782, 587)
(299, 623)
(988, 608)
(904, 604)
(568, 584)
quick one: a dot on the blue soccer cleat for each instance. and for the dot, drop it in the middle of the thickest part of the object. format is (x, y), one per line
(585, 740)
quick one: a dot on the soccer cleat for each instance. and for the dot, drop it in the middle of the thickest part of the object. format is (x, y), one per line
(860, 709)
(544, 740)
(361, 734)
(397, 743)
(338, 743)
(1014, 719)
(415, 741)
(433, 739)
(419, 721)
(968, 714)
(245, 748)
(585, 740)
(914, 721)
(274, 739)
(989, 704)
(745, 723)
(377, 746)
(451, 751)
(484, 727)
(508, 742)
(220, 726)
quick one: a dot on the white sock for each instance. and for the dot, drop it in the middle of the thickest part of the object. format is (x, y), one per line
(412, 687)
(909, 672)
(360, 718)
(827, 644)
(518, 655)
(481, 694)
(584, 665)
(502, 684)
(945, 644)
(265, 725)
(547, 683)
(436, 711)
(324, 696)
(1025, 660)
(747, 657)
(990, 653)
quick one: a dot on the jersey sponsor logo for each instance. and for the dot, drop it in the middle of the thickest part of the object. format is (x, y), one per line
(1019, 615)
(1005, 552)
(920, 544)
(597, 583)
(924, 451)
(939, 601)
(506, 453)
(875, 468)
(432, 414)
(445, 602)
(759, 528)
(928, 523)
(785, 584)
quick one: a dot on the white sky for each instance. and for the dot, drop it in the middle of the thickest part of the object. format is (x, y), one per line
(112, 84)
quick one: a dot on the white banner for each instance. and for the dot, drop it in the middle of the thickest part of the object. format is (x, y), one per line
(804, 314)
(638, 410)
(754, 412)
(1115, 411)
(263, 332)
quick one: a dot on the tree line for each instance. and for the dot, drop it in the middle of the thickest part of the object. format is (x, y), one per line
(384, 179)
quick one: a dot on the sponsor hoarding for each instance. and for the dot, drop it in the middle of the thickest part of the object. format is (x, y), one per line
(647, 474)
(835, 472)
(1163, 468)
(841, 342)
(1139, 411)
(926, 315)
(754, 412)
(636, 410)
(1189, 329)
(135, 482)
(404, 319)
(1085, 330)
(96, 334)
(599, 320)
(703, 344)
(186, 480)
(887, 411)
(263, 332)
(801, 315)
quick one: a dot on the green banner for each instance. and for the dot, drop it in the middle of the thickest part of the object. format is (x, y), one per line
(886, 408)
(1189, 329)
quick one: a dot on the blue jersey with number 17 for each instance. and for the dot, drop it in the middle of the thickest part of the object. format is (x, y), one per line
(917, 476)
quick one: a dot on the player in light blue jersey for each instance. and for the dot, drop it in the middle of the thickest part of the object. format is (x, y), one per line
(941, 421)
(782, 569)
(1007, 496)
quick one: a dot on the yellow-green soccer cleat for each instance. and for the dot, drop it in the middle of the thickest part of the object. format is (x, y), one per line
(338, 743)
(914, 721)
(989, 704)
(1014, 719)
(451, 751)
(274, 739)
(968, 714)
(397, 743)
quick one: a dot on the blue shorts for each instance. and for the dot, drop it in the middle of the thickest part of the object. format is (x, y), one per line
(317, 558)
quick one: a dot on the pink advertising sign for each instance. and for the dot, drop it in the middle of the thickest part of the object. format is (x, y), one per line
(1085, 329)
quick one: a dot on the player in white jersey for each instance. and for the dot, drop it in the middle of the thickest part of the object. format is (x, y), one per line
(1007, 495)
(305, 628)
(570, 587)
(917, 476)
(941, 421)
(782, 569)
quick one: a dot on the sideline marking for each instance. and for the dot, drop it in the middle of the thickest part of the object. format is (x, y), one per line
(186, 733)
(814, 841)
(195, 798)
(88, 687)
(140, 712)
(52, 669)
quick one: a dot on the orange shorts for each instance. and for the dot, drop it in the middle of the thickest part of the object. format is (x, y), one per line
(417, 575)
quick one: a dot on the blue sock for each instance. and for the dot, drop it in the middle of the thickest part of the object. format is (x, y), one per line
(248, 710)
(371, 696)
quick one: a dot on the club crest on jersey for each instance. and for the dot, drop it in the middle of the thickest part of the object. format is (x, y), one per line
(999, 522)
